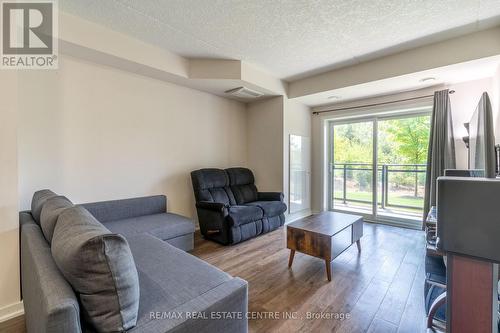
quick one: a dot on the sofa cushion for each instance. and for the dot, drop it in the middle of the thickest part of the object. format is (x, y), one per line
(114, 210)
(164, 226)
(239, 215)
(39, 199)
(209, 178)
(241, 182)
(204, 313)
(212, 185)
(100, 268)
(270, 208)
(51, 210)
(169, 277)
(240, 176)
(244, 193)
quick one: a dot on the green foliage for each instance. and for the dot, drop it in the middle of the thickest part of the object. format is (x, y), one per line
(410, 137)
(400, 141)
(353, 143)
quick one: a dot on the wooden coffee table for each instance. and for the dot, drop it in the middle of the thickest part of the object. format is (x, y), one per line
(325, 235)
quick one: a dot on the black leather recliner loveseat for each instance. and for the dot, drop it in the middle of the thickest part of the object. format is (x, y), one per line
(230, 209)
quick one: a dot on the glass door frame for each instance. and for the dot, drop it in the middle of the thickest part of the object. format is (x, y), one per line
(374, 119)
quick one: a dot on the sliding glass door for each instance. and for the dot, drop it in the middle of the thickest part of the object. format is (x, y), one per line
(377, 167)
(352, 180)
(402, 160)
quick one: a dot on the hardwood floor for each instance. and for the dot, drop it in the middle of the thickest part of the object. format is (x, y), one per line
(380, 289)
(14, 325)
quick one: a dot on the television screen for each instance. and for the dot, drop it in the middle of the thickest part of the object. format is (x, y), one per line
(482, 138)
(463, 173)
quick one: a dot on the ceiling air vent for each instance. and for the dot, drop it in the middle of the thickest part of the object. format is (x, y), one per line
(244, 92)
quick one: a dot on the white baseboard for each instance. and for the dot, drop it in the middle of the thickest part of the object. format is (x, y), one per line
(11, 311)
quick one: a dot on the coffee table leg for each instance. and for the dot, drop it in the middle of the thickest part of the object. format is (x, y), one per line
(290, 260)
(358, 243)
(328, 270)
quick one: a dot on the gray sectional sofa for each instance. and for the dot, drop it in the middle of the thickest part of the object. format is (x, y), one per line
(143, 248)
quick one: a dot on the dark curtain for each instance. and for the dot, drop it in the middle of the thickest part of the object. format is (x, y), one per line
(441, 154)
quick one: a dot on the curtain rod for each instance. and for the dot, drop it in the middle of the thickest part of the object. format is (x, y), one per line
(377, 104)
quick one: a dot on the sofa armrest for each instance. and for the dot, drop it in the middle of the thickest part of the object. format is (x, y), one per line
(270, 196)
(50, 304)
(214, 206)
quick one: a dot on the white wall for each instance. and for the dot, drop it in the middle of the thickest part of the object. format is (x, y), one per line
(297, 121)
(463, 103)
(496, 103)
(270, 123)
(265, 131)
(9, 220)
(93, 132)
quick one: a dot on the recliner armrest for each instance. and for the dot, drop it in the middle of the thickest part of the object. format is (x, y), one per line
(212, 218)
(270, 196)
(214, 206)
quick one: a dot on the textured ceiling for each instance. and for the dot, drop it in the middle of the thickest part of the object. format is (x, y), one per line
(290, 39)
(447, 75)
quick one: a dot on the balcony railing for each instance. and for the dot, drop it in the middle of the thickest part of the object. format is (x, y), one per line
(400, 185)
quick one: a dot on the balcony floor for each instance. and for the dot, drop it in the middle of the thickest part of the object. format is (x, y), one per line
(395, 213)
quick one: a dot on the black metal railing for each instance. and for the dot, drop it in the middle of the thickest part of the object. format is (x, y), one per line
(384, 172)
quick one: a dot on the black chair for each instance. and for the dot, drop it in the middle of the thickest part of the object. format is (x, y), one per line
(231, 209)
(435, 291)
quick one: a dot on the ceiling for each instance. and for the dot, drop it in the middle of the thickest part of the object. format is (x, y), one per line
(447, 75)
(289, 39)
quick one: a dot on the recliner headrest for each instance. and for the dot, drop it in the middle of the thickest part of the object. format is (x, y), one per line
(240, 176)
(209, 178)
